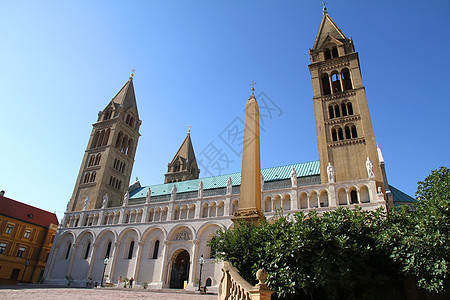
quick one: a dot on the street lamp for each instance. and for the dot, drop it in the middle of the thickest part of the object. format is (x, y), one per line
(106, 261)
(27, 263)
(201, 261)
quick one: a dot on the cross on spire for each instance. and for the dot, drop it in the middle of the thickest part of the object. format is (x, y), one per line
(133, 70)
(324, 8)
(189, 129)
(253, 85)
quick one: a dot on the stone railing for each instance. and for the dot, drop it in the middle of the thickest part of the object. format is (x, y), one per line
(234, 287)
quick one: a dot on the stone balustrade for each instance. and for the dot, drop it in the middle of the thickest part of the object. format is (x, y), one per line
(234, 287)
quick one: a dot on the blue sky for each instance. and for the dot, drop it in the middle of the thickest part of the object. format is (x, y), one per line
(62, 61)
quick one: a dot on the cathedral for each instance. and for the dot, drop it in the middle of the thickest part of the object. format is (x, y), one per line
(157, 234)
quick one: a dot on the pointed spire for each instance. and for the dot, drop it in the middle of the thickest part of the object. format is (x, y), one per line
(328, 29)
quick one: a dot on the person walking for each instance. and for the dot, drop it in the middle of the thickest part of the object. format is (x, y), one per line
(119, 281)
(131, 282)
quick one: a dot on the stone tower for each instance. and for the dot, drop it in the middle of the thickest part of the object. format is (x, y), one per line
(109, 157)
(344, 130)
(183, 165)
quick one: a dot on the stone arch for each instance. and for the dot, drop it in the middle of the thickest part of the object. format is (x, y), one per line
(353, 195)
(212, 209)
(323, 198)
(83, 254)
(191, 212)
(234, 206)
(267, 203)
(220, 208)
(313, 199)
(205, 209)
(181, 232)
(276, 202)
(179, 267)
(286, 202)
(303, 200)
(342, 196)
(364, 194)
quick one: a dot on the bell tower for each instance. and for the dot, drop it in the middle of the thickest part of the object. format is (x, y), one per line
(344, 130)
(184, 164)
(109, 157)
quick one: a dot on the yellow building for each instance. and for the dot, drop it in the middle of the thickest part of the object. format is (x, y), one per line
(26, 237)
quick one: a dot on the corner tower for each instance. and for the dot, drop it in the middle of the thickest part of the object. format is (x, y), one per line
(184, 164)
(109, 157)
(344, 130)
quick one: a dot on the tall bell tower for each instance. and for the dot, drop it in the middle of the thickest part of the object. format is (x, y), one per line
(109, 157)
(344, 130)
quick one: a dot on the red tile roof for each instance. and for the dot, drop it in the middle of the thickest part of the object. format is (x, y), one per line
(26, 213)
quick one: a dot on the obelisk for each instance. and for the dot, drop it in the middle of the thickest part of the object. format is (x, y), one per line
(250, 193)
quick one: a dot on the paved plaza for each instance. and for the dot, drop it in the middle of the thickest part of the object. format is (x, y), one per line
(103, 293)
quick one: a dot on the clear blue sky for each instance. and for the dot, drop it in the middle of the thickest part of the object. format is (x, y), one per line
(62, 61)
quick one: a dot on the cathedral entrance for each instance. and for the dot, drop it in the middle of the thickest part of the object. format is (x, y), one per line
(180, 269)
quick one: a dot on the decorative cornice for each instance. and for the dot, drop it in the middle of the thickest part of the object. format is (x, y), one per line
(340, 95)
(347, 142)
(341, 120)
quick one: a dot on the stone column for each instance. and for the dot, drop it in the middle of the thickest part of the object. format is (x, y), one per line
(137, 264)
(332, 195)
(144, 215)
(166, 265)
(294, 199)
(195, 257)
(115, 252)
(72, 259)
(92, 259)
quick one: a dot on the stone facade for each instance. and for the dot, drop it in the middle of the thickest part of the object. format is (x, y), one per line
(157, 234)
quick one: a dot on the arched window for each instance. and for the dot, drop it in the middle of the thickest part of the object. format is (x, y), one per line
(86, 177)
(336, 82)
(106, 137)
(100, 138)
(346, 80)
(128, 119)
(119, 139)
(156, 249)
(97, 159)
(131, 122)
(353, 197)
(354, 133)
(208, 282)
(88, 247)
(108, 250)
(327, 54)
(91, 160)
(344, 109)
(336, 111)
(92, 179)
(68, 251)
(340, 134)
(124, 144)
(347, 132)
(130, 250)
(349, 108)
(334, 52)
(334, 134)
(331, 112)
(108, 114)
(94, 140)
(326, 84)
(129, 146)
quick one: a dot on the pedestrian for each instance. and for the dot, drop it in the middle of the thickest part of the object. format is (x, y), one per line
(131, 282)
(90, 281)
(119, 281)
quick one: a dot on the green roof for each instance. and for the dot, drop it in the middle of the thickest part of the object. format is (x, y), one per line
(399, 196)
(270, 174)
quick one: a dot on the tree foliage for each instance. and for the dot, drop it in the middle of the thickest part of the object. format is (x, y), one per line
(347, 253)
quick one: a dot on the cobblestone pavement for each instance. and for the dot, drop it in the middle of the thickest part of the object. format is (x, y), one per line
(87, 294)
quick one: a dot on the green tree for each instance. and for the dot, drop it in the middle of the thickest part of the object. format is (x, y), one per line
(418, 239)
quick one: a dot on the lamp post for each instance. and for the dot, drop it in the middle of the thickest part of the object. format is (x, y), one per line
(201, 261)
(105, 262)
(27, 263)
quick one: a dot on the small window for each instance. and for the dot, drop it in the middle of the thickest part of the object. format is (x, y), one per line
(2, 248)
(130, 250)
(156, 249)
(68, 251)
(9, 228)
(27, 234)
(108, 250)
(86, 254)
(21, 252)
